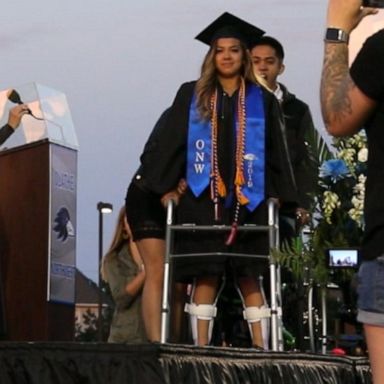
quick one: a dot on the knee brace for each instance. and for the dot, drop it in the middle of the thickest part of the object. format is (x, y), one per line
(201, 312)
(256, 314)
(259, 314)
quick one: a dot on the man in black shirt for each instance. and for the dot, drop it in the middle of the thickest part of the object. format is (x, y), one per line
(267, 55)
(352, 99)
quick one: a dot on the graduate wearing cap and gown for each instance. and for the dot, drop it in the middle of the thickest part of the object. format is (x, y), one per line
(224, 134)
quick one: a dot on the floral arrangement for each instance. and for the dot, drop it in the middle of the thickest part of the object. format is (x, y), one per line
(337, 211)
(340, 201)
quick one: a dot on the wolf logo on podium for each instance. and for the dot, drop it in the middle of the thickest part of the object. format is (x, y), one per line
(63, 226)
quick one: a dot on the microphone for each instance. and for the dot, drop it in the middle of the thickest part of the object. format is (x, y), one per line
(14, 96)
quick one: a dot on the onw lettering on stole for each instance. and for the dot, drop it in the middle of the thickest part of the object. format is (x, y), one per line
(199, 156)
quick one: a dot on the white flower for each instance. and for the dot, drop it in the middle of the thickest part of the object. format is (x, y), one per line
(356, 215)
(357, 202)
(362, 156)
(330, 202)
(359, 189)
(360, 139)
(347, 154)
(362, 179)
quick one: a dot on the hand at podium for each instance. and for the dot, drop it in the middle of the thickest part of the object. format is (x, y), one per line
(15, 115)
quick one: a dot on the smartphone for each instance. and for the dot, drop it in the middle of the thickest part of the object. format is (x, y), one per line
(373, 3)
(343, 258)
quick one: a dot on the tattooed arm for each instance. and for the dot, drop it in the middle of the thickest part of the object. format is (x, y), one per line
(344, 106)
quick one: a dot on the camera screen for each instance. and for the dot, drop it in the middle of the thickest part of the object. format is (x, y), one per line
(343, 258)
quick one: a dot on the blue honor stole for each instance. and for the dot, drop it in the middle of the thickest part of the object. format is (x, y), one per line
(199, 149)
(254, 151)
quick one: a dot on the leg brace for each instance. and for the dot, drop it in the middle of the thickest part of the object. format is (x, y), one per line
(202, 312)
(255, 314)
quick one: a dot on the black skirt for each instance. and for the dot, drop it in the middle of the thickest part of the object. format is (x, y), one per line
(145, 214)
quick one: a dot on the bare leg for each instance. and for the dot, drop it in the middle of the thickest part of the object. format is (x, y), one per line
(152, 252)
(250, 290)
(205, 293)
(375, 340)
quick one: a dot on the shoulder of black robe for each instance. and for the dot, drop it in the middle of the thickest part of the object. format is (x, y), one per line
(151, 143)
(149, 147)
(163, 162)
(280, 177)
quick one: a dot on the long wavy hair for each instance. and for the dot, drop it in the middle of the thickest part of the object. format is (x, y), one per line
(120, 237)
(207, 82)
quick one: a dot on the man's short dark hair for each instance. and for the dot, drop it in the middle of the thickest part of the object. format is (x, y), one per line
(272, 42)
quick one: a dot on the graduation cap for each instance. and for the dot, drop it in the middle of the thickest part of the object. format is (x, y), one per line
(228, 25)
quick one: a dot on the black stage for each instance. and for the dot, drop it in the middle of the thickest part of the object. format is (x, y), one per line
(83, 363)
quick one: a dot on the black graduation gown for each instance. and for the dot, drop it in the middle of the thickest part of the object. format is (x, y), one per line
(165, 164)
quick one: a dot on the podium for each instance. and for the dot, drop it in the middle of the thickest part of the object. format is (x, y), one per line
(38, 185)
